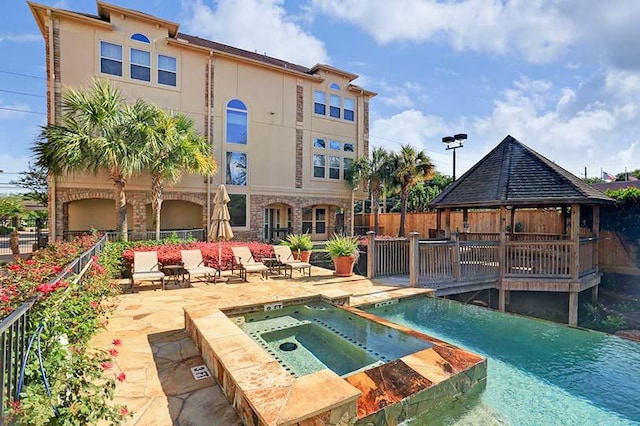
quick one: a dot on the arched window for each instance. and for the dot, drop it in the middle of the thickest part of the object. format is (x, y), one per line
(141, 38)
(237, 122)
(334, 86)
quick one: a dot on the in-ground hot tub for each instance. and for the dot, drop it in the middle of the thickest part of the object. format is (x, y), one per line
(311, 361)
(314, 336)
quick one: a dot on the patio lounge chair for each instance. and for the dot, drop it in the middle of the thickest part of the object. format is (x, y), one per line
(146, 268)
(243, 260)
(194, 265)
(285, 257)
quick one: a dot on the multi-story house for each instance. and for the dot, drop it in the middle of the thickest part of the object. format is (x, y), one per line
(283, 134)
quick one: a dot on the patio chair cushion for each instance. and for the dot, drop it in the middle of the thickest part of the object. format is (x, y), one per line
(146, 268)
(285, 257)
(194, 264)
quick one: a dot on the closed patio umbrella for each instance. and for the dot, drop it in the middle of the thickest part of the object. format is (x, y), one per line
(220, 225)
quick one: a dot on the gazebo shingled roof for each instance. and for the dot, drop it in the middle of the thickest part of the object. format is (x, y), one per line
(513, 174)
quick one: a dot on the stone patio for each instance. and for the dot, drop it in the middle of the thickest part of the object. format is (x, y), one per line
(156, 353)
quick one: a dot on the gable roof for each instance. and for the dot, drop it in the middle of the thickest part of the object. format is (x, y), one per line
(513, 174)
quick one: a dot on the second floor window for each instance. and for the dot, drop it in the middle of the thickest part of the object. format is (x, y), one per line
(334, 106)
(349, 109)
(110, 58)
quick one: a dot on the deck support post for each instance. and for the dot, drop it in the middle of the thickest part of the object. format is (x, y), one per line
(414, 258)
(371, 254)
(573, 308)
(502, 296)
(594, 294)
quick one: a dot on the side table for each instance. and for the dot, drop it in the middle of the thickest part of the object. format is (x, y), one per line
(174, 273)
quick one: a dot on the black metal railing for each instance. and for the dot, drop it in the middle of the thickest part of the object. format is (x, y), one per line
(276, 234)
(182, 234)
(14, 330)
(29, 233)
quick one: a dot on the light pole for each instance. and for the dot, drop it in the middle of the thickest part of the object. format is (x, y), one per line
(454, 142)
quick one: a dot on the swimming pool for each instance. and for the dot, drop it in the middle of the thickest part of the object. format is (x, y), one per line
(540, 373)
(310, 337)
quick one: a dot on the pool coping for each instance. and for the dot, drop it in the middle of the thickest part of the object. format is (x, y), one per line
(263, 393)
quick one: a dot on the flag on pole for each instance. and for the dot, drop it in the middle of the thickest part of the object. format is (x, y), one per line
(608, 177)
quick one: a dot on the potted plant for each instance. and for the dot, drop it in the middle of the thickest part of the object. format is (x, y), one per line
(300, 245)
(343, 251)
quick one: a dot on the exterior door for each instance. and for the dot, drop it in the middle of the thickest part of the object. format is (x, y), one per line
(271, 222)
(314, 222)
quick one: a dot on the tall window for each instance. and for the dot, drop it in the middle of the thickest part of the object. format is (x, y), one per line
(319, 164)
(349, 109)
(140, 65)
(236, 170)
(238, 209)
(334, 167)
(319, 102)
(237, 122)
(110, 58)
(167, 70)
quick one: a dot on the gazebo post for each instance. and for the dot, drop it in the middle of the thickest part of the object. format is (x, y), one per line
(447, 222)
(438, 222)
(512, 222)
(575, 263)
(595, 225)
(502, 256)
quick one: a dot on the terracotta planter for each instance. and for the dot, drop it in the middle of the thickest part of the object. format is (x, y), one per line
(344, 266)
(305, 255)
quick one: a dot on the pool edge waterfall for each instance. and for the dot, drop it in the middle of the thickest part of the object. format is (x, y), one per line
(396, 374)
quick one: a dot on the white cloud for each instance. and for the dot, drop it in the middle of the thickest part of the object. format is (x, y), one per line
(599, 134)
(20, 38)
(538, 30)
(255, 25)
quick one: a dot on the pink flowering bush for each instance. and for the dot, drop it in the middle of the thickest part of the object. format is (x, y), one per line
(66, 314)
(169, 254)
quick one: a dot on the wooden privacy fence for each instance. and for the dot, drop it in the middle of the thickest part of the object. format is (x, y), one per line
(540, 221)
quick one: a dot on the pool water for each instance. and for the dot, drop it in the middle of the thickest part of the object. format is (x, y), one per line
(308, 338)
(539, 373)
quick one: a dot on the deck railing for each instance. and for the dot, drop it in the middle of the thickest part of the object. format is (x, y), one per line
(478, 259)
(539, 259)
(431, 261)
(435, 261)
(14, 330)
(392, 256)
(588, 255)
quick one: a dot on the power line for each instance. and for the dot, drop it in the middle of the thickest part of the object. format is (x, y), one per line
(22, 75)
(22, 110)
(22, 93)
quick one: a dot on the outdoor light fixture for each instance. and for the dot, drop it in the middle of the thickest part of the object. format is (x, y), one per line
(454, 142)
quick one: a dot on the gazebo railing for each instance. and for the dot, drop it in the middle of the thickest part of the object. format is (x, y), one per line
(539, 259)
(588, 255)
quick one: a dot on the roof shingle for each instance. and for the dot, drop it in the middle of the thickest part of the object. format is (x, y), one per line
(513, 174)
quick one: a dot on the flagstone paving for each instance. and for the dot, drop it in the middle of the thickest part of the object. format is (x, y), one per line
(156, 354)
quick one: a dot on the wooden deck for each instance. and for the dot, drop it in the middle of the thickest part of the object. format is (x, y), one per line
(530, 262)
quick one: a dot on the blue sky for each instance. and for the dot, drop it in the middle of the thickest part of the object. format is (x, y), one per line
(562, 76)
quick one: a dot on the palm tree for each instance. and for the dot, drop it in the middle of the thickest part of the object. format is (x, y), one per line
(409, 167)
(175, 147)
(98, 131)
(374, 172)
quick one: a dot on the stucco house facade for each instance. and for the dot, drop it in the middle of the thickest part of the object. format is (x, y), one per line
(283, 134)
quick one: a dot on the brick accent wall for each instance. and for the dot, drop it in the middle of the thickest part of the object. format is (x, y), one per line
(299, 159)
(299, 104)
(57, 82)
(365, 127)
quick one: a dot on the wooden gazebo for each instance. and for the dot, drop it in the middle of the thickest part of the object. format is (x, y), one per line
(513, 176)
